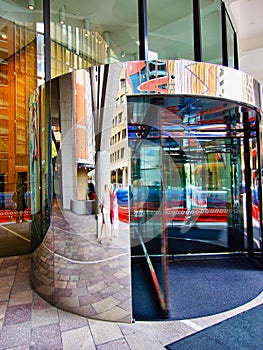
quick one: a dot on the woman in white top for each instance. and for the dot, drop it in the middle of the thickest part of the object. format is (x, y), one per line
(105, 211)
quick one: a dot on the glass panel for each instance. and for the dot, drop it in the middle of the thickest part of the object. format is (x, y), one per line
(187, 189)
(255, 184)
(200, 154)
(230, 42)
(83, 36)
(19, 76)
(171, 33)
(148, 232)
(211, 30)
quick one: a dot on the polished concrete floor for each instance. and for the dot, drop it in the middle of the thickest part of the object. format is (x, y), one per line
(28, 322)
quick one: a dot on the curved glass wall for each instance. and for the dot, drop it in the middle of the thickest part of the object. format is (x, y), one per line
(144, 169)
(80, 37)
(21, 71)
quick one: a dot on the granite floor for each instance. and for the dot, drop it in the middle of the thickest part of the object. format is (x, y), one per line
(28, 322)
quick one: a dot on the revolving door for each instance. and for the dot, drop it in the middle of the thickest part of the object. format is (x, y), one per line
(190, 158)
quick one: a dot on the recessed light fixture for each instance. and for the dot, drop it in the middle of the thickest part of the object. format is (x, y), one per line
(31, 5)
(106, 36)
(62, 15)
(86, 26)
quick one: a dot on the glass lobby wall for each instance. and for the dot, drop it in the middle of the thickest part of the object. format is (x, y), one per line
(84, 36)
(188, 169)
(211, 29)
(21, 70)
(185, 188)
(87, 245)
(254, 159)
(230, 42)
(171, 34)
(81, 41)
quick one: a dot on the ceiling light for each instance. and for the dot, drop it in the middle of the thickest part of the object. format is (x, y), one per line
(62, 15)
(86, 26)
(31, 5)
(106, 36)
(123, 54)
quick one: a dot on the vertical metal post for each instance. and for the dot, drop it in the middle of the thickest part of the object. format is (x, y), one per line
(259, 147)
(197, 31)
(248, 182)
(143, 30)
(164, 232)
(48, 121)
(40, 161)
(236, 60)
(224, 35)
(46, 9)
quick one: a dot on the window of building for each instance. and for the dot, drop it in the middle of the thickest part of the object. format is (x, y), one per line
(171, 34)
(211, 29)
(230, 42)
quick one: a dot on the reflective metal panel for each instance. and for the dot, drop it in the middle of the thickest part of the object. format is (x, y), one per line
(188, 77)
(83, 263)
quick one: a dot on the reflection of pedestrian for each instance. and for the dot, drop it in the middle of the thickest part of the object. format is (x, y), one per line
(20, 202)
(91, 190)
(112, 197)
(105, 211)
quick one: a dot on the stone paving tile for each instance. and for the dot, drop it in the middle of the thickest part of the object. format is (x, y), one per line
(41, 317)
(119, 344)
(39, 303)
(170, 331)
(5, 293)
(21, 282)
(3, 306)
(105, 304)
(23, 347)
(104, 332)
(143, 341)
(6, 280)
(15, 335)
(79, 338)
(70, 321)
(115, 313)
(27, 322)
(17, 314)
(21, 298)
(46, 337)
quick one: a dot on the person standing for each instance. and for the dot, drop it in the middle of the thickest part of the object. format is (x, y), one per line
(112, 198)
(21, 203)
(105, 211)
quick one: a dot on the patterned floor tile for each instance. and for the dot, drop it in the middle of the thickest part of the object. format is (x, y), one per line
(17, 314)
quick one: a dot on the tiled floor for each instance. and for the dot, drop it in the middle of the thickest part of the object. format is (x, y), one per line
(28, 322)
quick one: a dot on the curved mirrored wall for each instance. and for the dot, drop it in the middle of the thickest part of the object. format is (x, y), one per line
(145, 160)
